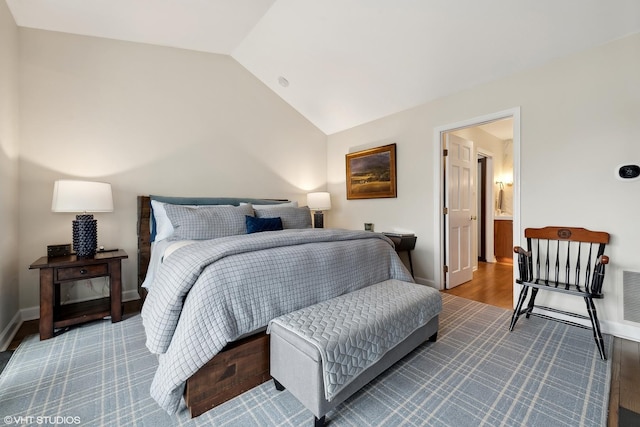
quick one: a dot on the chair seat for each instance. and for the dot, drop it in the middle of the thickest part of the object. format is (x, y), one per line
(561, 287)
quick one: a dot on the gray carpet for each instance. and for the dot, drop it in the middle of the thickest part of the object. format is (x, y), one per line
(477, 373)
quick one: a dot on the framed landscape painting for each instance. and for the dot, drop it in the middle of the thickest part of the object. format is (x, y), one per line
(371, 174)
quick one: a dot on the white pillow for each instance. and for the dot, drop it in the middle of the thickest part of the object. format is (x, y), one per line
(164, 227)
(291, 217)
(207, 222)
(293, 204)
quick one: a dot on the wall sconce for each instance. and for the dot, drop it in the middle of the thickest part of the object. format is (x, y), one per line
(505, 180)
(318, 202)
(83, 196)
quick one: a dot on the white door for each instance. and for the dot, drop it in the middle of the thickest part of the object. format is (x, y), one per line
(460, 170)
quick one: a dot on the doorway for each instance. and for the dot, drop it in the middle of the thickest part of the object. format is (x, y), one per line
(486, 215)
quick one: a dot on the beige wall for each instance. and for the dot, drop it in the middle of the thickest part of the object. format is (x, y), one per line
(579, 119)
(160, 120)
(8, 175)
(149, 120)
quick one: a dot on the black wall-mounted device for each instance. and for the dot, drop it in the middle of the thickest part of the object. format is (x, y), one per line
(628, 172)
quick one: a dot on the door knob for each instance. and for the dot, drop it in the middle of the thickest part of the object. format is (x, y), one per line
(473, 218)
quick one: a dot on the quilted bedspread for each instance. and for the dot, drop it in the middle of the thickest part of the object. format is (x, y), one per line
(354, 331)
(210, 293)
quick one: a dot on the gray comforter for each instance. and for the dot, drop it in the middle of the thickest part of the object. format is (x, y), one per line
(210, 293)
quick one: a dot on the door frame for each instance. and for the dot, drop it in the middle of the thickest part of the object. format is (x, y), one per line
(438, 167)
(488, 214)
(481, 206)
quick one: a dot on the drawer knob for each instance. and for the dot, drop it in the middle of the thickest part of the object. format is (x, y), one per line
(83, 271)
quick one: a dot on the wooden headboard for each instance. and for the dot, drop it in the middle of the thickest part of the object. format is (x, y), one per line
(144, 241)
(144, 227)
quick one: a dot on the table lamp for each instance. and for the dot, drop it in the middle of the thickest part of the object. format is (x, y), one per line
(83, 196)
(318, 202)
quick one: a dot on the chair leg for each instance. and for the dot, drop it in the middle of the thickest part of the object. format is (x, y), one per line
(595, 323)
(532, 301)
(516, 312)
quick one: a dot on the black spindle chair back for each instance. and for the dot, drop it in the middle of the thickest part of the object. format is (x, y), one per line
(560, 254)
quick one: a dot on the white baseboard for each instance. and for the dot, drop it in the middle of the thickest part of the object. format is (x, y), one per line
(130, 296)
(426, 282)
(617, 329)
(10, 331)
(33, 313)
(621, 330)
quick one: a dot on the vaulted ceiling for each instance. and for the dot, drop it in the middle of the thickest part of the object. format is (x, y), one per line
(342, 63)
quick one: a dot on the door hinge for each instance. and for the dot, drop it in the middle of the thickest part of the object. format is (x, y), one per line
(445, 211)
(445, 268)
(445, 152)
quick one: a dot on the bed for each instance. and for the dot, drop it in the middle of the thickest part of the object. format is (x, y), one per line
(209, 290)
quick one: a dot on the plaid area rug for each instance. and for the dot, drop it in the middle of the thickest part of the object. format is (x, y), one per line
(4, 359)
(477, 373)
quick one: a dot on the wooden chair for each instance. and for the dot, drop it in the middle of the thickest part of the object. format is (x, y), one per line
(560, 259)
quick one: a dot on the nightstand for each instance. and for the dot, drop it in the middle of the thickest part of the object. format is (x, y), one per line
(404, 242)
(58, 270)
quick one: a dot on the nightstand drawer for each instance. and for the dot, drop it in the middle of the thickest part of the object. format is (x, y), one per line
(84, 272)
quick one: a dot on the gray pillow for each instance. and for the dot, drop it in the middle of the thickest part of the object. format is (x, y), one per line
(210, 222)
(291, 217)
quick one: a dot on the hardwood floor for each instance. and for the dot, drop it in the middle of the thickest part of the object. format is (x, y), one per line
(492, 284)
(625, 380)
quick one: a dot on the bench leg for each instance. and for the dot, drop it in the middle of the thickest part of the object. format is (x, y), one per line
(318, 422)
(279, 386)
(595, 323)
(516, 312)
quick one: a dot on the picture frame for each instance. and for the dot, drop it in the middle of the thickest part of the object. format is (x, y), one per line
(371, 174)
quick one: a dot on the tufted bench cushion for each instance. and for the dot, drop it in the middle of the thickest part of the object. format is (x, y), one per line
(326, 352)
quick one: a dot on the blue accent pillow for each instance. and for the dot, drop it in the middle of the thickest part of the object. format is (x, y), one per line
(256, 225)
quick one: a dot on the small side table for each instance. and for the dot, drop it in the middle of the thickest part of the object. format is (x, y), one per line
(404, 242)
(58, 270)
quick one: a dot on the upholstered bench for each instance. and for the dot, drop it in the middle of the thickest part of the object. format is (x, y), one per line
(326, 352)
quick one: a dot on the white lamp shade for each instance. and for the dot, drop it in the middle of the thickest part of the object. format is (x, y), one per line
(320, 201)
(81, 196)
